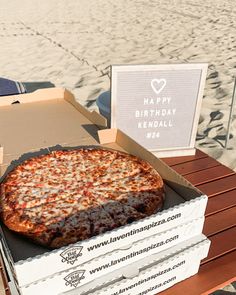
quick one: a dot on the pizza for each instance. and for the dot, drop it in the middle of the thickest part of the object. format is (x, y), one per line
(67, 196)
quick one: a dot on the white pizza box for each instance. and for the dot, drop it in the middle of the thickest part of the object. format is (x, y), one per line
(117, 259)
(113, 277)
(50, 119)
(180, 258)
(161, 276)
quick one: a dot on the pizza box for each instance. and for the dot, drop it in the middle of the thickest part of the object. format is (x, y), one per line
(119, 277)
(49, 119)
(182, 259)
(160, 276)
(118, 259)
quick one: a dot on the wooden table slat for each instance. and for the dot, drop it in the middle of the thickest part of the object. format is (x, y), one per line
(220, 221)
(194, 166)
(208, 175)
(218, 245)
(219, 183)
(218, 186)
(180, 160)
(221, 202)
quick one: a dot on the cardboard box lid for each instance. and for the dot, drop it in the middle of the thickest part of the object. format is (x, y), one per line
(44, 119)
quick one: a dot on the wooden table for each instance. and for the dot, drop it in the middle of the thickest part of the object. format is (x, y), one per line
(219, 183)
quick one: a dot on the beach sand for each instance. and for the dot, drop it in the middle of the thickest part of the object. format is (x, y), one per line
(73, 43)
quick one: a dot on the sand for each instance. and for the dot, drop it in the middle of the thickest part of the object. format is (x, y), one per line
(73, 43)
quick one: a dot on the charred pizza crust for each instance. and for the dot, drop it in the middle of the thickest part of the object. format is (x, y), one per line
(71, 195)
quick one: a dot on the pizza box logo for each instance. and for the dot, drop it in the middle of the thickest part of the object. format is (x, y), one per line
(71, 255)
(73, 279)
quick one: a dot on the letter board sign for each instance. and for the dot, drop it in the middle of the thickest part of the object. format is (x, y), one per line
(158, 105)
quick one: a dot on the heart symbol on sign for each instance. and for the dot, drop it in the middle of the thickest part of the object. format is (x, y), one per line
(158, 85)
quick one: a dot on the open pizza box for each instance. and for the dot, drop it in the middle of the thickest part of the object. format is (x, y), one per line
(49, 119)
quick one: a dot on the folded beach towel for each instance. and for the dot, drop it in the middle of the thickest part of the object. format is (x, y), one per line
(9, 87)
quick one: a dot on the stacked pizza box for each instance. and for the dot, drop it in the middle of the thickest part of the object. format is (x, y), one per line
(143, 257)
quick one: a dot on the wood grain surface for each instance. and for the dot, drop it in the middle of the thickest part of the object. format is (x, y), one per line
(218, 182)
